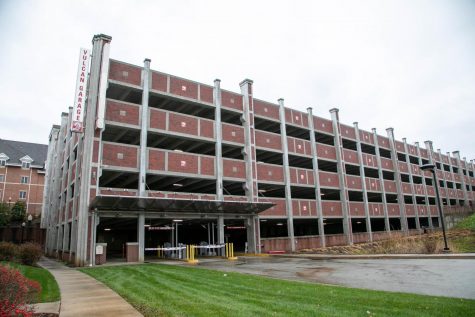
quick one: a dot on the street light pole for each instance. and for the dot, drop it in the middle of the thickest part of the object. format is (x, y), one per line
(431, 168)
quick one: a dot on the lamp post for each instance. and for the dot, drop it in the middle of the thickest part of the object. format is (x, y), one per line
(431, 168)
(22, 231)
(28, 227)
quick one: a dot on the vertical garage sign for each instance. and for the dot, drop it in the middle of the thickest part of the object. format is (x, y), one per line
(77, 124)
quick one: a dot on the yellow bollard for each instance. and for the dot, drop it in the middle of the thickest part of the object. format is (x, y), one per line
(190, 251)
(230, 252)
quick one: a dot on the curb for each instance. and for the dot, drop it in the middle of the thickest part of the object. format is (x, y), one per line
(459, 256)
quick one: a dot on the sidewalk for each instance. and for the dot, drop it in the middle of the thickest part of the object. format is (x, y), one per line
(82, 295)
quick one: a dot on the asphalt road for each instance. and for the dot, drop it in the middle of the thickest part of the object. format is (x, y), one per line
(438, 277)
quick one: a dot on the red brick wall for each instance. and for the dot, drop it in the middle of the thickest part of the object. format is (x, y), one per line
(296, 117)
(393, 210)
(183, 124)
(268, 172)
(356, 209)
(326, 151)
(268, 140)
(301, 176)
(376, 209)
(232, 133)
(156, 160)
(125, 73)
(366, 137)
(158, 119)
(234, 168)
(182, 163)
(231, 100)
(386, 164)
(353, 182)
(328, 179)
(303, 207)
(372, 184)
(322, 125)
(207, 165)
(206, 93)
(183, 87)
(110, 155)
(347, 132)
(299, 146)
(331, 208)
(266, 109)
(383, 142)
(278, 210)
(207, 128)
(121, 112)
(159, 81)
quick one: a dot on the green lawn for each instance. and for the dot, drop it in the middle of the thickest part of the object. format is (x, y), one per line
(165, 290)
(467, 223)
(49, 287)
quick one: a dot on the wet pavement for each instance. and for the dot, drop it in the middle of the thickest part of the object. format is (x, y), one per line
(438, 277)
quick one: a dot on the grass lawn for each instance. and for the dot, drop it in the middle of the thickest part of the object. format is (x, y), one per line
(165, 290)
(465, 243)
(49, 287)
(467, 223)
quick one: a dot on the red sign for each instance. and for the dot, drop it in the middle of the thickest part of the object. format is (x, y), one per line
(80, 95)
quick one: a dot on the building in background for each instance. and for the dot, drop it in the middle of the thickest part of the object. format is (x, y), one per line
(162, 159)
(22, 174)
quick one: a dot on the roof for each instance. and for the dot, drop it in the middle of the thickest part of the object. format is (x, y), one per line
(15, 150)
(182, 206)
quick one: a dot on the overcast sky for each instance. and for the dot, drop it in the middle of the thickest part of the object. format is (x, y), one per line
(403, 64)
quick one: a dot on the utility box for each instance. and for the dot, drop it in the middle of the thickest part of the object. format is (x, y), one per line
(132, 251)
(101, 251)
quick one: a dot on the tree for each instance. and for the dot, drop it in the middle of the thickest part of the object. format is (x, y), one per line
(18, 212)
(4, 214)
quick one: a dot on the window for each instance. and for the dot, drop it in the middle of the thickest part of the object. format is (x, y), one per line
(24, 180)
(2, 178)
(3, 163)
(25, 165)
(22, 194)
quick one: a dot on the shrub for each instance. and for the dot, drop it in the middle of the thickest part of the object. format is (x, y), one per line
(16, 291)
(430, 245)
(8, 251)
(29, 253)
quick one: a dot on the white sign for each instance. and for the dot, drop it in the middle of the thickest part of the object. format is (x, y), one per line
(80, 95)
(99, 249)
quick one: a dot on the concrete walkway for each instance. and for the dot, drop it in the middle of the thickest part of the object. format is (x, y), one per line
(82, 295)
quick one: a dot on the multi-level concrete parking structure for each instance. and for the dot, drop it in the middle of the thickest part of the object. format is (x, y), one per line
(165, 159)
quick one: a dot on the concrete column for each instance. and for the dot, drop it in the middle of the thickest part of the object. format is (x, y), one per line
(249, 151)
(288, 194)
(146, 74)
(219, 138)
(447, 193)
(84, 201)
(400, 196)
(381, 181)
(251, 234)
(413, 189)
(363, 181)
(341, 175)
(462, 177)
(141, 235)
(426, 197)
(220, 229)
(430, 152)
(318, 194)
(61, 174)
